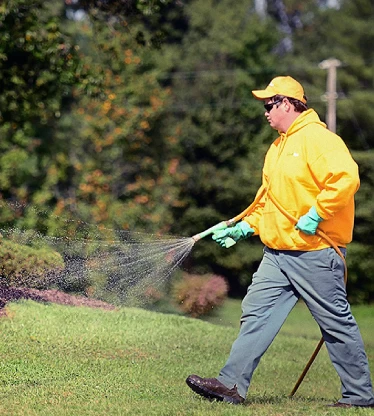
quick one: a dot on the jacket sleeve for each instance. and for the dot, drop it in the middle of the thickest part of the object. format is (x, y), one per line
(337, 175)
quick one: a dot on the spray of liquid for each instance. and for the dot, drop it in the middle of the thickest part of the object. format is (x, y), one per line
(131, 269)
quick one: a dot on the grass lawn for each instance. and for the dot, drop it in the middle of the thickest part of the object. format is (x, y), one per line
(61, 360)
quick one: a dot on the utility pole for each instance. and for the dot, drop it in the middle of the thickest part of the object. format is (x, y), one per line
(330, 96)
(261, 8)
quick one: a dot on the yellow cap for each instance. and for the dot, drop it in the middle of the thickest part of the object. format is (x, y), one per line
(286, 86)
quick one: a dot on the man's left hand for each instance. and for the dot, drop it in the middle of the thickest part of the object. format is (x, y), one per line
(308, 223)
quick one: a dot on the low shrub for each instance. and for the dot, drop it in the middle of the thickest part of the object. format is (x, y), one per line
(75, 278)
(22, 265)
(197, 295)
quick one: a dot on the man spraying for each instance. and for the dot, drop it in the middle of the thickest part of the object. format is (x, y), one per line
(309, 171)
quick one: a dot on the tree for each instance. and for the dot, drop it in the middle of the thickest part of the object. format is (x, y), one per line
(350, 42)
(153, 14)
(39, 67)
(121, 7)
(110, 159)
(141, 116)
(224, 54)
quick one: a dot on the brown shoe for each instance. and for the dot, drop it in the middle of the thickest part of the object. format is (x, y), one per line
(348, 405)
(211, 388)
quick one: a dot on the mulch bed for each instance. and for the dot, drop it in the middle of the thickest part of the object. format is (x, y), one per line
(9, 294)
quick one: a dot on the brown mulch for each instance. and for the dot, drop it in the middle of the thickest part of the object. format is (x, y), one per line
(9, 294)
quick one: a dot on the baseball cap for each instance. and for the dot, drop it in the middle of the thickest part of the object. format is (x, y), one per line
(286, 86)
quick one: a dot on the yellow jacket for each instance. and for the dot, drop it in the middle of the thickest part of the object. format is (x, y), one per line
(307, 166)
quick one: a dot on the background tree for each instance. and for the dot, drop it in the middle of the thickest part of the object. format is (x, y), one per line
(224, 54)
(39, 67)
(350, 42)
(116, 156)
(139, 114)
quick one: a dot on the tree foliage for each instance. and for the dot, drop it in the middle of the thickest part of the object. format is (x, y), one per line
(222, 140)
(116, 158)
(140, 115)
(123, 7)
(350, 42)
(39, 67)
(38, 64)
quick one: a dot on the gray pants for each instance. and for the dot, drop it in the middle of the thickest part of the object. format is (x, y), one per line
(281, 279)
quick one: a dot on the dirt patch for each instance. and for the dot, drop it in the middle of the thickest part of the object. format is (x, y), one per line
(10, 294)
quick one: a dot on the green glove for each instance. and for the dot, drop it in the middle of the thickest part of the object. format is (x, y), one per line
(308, 223)
(238, 232)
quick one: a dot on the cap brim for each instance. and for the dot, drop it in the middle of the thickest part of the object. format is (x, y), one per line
(262, 94)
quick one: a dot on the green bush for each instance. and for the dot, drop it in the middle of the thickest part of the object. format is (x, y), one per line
(22, 265)
(360, 261)
(75, 278)
(198, 295)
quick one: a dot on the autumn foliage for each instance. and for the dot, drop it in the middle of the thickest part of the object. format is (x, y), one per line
(199, 295)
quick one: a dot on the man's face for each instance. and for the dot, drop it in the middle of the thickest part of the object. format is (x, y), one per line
(274, 113)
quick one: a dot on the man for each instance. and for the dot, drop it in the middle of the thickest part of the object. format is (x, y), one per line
(309, 171)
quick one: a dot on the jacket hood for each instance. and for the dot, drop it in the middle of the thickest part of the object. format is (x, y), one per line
(304, 119)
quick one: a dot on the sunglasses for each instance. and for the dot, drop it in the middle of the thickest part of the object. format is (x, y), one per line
(268, 107)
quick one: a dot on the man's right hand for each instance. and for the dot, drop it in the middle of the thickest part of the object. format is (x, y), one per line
(239, 231)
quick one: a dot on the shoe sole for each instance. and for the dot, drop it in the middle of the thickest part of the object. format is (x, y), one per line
(208, 394)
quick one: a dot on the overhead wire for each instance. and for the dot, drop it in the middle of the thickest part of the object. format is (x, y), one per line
(231, 103)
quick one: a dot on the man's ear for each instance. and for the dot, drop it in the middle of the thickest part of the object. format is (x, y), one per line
(287, 105)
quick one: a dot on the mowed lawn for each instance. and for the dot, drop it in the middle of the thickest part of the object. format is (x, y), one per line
(62, 360)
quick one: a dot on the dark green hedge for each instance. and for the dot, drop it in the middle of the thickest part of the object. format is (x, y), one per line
(26, 266)
(360, 259)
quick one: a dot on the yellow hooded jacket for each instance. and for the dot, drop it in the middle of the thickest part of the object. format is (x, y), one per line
(304, 167)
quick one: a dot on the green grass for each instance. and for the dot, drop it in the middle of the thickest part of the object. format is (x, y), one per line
(60, 360)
